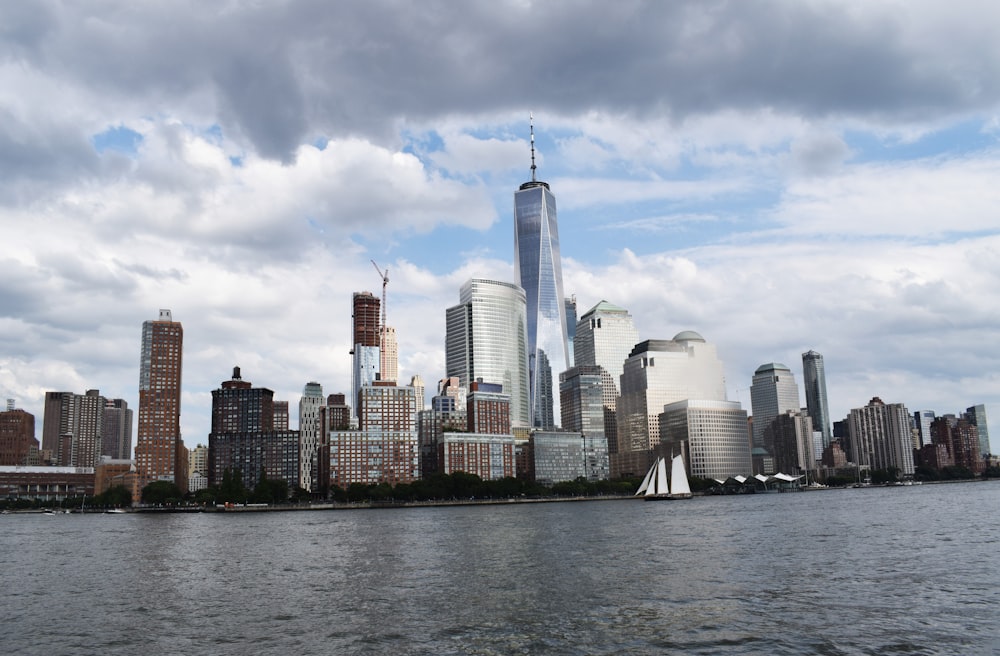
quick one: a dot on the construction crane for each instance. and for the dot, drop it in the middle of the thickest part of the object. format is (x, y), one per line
(385, 281)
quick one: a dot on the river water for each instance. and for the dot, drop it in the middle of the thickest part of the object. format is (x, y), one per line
(912, 570)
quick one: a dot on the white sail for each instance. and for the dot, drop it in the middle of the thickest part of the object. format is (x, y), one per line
(646, 481)
(678, 478)
(661, 476)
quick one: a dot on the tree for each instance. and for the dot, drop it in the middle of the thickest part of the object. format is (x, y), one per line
(161, 493)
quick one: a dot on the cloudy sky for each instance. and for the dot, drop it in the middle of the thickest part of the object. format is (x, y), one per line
(777, 176)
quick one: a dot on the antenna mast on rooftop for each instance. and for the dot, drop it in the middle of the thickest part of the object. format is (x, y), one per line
(531, 125)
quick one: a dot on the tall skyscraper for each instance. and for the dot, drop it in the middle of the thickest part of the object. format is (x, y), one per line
(977, 417)
(570, 329)
(539, 273)
(73, 427)
(367, 361)
(116, 435)
(604, 336)
(389, 356)
(420, 390)
(244, 438)
(310, 432)
(658, 372)
(487, 338)
(923, 419)
(880, 436)
(814, 379)
(159, 450)
(773, 392)
(581, 397)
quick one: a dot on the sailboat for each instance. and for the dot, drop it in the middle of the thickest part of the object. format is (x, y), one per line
(655, 484)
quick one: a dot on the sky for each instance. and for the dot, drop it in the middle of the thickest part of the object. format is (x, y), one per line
(776, 176)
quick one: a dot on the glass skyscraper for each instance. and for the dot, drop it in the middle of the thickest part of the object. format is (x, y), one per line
(539, 273)
(487, 338)
(814, 379)
(772, 393)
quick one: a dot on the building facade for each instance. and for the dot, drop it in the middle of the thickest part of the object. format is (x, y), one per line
(814, 380)
(712, 436)
(880, 436)
(366, 361)
(310, 432)
(116, 432)
(658, 372)
(605, 335)
(977, 417)
(773, 392)
(538, 265)
(487, 339)
(244, 440)
(557, 456)
(17, 436)
(384, 448)
(582, 402)
(159, 449)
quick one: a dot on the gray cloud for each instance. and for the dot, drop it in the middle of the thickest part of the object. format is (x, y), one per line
(283, 73)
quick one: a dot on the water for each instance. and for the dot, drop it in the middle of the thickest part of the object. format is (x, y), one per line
(874, 571)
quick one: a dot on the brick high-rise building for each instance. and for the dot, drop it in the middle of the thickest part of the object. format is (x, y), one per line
(159, 450)
(17, 435)
(75, 425)
(366, 364)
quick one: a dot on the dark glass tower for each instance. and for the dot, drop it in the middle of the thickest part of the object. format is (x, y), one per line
(539, 273)
(814, 379)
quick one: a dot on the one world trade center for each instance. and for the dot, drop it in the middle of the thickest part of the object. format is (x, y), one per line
(539, 272)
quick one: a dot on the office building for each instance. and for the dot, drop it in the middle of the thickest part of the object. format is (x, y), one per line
(880, 436)
(658, 372)
(712, 436)
(17, 436)
(557, 456)
(281, 415)
(539, 273)
(604, 336)
(487, 338)
(977, 417)
(581, 399)
(814, 380)
(922, 420)
(773, 392)
(159, 449)
(570, 329)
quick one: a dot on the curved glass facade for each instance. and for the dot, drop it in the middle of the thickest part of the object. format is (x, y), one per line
(487, 338)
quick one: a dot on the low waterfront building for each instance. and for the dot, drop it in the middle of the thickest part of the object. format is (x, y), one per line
(488, 456)
(46, 483)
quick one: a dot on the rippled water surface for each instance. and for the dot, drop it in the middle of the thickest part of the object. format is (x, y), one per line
(890, 570)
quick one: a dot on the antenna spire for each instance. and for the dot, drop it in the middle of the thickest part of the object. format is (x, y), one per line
(531, 125)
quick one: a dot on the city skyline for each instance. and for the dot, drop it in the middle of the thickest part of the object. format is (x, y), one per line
(770, 201)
